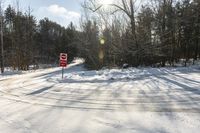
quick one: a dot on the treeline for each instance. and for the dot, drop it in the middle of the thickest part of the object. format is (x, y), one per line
(27, 42)
(153, 33)
(156, 32)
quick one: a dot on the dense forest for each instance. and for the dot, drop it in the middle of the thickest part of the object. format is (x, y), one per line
(27, 42)
(141, 33)
(151, 33)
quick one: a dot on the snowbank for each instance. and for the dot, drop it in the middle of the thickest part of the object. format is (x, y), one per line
(79, 73)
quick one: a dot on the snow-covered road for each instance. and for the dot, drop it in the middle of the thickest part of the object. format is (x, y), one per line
(135, 100)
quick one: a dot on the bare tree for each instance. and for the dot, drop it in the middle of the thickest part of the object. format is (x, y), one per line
(128, 7)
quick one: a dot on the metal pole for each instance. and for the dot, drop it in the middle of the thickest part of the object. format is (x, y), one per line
(62, 72)
(2, 48)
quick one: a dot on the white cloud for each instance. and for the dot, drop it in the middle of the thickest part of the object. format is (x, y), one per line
(58, 14)
(56, 9)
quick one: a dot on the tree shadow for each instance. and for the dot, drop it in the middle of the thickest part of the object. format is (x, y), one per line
(40, 90)
(167, 71)
(183, 86)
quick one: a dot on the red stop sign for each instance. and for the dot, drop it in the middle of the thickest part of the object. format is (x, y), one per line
(63, 60)
(63, 56)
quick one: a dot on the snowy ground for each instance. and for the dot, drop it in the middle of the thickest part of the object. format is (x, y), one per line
(146, 100)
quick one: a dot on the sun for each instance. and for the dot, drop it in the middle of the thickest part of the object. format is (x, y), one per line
(106, 2)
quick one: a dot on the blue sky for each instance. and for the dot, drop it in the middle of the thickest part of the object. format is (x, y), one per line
(60, 11)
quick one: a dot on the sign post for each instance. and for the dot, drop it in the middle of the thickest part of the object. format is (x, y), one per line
(62, 72)
(63, 62)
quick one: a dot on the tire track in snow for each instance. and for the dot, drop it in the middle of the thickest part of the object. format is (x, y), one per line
(104, 97)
